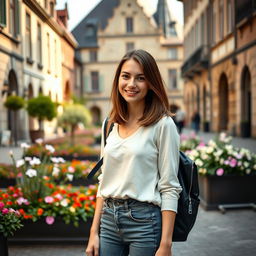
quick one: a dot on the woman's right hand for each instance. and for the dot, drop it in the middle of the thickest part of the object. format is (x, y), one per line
(93, 245)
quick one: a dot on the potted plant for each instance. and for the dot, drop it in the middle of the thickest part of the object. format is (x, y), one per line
(72, 116)
(10, 221)
(226, 174)
(14, 103)
(42, 108)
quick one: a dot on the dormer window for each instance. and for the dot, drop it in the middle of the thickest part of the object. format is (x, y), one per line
(129, 24)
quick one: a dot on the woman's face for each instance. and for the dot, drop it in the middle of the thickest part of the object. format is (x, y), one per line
(132, 84)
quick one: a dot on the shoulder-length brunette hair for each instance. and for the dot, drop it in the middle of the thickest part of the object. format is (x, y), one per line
(156, 101)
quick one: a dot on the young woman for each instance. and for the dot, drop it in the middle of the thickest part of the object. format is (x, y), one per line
(138, 187)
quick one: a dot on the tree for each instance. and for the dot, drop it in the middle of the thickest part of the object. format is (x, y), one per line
(42, 108)
(14, 103)
(72, 116)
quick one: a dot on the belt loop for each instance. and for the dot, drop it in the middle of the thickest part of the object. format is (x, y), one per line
(126, 205)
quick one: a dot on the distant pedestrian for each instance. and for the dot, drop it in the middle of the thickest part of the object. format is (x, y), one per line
(180, 119)
(138, 188)
(196, 121)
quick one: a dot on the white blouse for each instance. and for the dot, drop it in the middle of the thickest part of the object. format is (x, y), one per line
(143, 166)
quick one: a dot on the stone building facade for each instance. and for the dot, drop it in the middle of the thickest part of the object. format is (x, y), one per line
(11, 62)
(37, 57)
(111, 29)
(224, 70)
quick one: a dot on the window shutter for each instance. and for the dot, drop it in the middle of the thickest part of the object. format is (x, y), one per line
(101, 87)
(17, 17)
(87, 86)
(3, 13)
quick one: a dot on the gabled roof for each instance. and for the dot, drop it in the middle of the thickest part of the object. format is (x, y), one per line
(86, 31)
(163, 19)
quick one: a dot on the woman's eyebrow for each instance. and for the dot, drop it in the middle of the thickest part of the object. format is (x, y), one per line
(125, 72)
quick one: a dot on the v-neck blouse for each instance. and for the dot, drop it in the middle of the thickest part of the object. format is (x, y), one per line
(142, 166)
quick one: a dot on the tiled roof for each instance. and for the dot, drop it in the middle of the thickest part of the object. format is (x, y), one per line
(86, 31)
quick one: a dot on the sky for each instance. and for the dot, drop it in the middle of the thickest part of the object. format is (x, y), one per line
(78, 9)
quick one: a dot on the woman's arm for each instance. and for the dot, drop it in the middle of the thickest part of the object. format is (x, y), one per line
(93, 243)
(168, 219)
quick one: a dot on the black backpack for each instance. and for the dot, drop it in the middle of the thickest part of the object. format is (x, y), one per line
(189, 197)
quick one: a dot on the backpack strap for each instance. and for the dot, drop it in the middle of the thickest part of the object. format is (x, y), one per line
(106, 131)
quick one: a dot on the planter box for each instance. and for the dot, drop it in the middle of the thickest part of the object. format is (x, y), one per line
(58, 232)
(216, 190)
(94, 158)
(4, 182)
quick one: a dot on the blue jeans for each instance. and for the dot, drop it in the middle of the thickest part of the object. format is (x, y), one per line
(129, 227)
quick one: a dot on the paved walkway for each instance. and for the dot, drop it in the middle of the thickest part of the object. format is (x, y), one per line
(214, 234)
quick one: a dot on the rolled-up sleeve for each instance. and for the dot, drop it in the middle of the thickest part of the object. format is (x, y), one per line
(168, 164)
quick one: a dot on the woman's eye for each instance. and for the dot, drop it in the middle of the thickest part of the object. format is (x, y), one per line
(141, 78)
(125, 76)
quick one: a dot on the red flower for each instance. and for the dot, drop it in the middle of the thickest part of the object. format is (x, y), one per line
(40, 211)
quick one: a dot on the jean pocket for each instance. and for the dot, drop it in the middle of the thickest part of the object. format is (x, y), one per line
(140, 215)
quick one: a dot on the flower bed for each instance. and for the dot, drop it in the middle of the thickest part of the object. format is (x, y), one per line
(64, 150)
(219, 158)
(63, 202)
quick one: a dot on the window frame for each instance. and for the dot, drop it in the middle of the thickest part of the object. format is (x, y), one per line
(172, 79)
(95, 81)
(129, 25)
(3, 13)
(28, 35)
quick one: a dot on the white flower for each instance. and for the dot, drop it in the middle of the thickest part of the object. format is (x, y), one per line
(31, 173)
(70, 177)
(212, 143)
(246, 164)
(57, 160)
(204, 156)
(199, 162)
(71, 169)
(209, 150)
(254, 167)
(61, 160)
(28, 158)
(55, 171)
(35, 161)
(24, 145)
(39, 141)
(248, 171)
(11, 153)
(50, 148)
(20, 162)
(64, 202)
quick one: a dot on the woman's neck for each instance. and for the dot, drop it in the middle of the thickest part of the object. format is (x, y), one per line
(135, 112)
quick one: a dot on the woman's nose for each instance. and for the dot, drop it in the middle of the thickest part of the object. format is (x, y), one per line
(132, 83)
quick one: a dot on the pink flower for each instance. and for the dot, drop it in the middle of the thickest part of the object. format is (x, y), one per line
(49, 199)
(5, 211)
(22, 200)
(233, 162)
(220, 172)
(49, 220)
(1, 205)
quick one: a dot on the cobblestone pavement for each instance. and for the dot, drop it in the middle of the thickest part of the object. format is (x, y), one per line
(214, 234)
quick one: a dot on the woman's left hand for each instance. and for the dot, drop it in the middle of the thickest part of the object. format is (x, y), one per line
(164, 251)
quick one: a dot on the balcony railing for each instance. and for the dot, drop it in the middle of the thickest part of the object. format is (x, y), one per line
(244, 9)
(197, 62)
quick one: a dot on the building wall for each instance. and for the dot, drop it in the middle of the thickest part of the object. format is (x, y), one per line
(11, 60)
